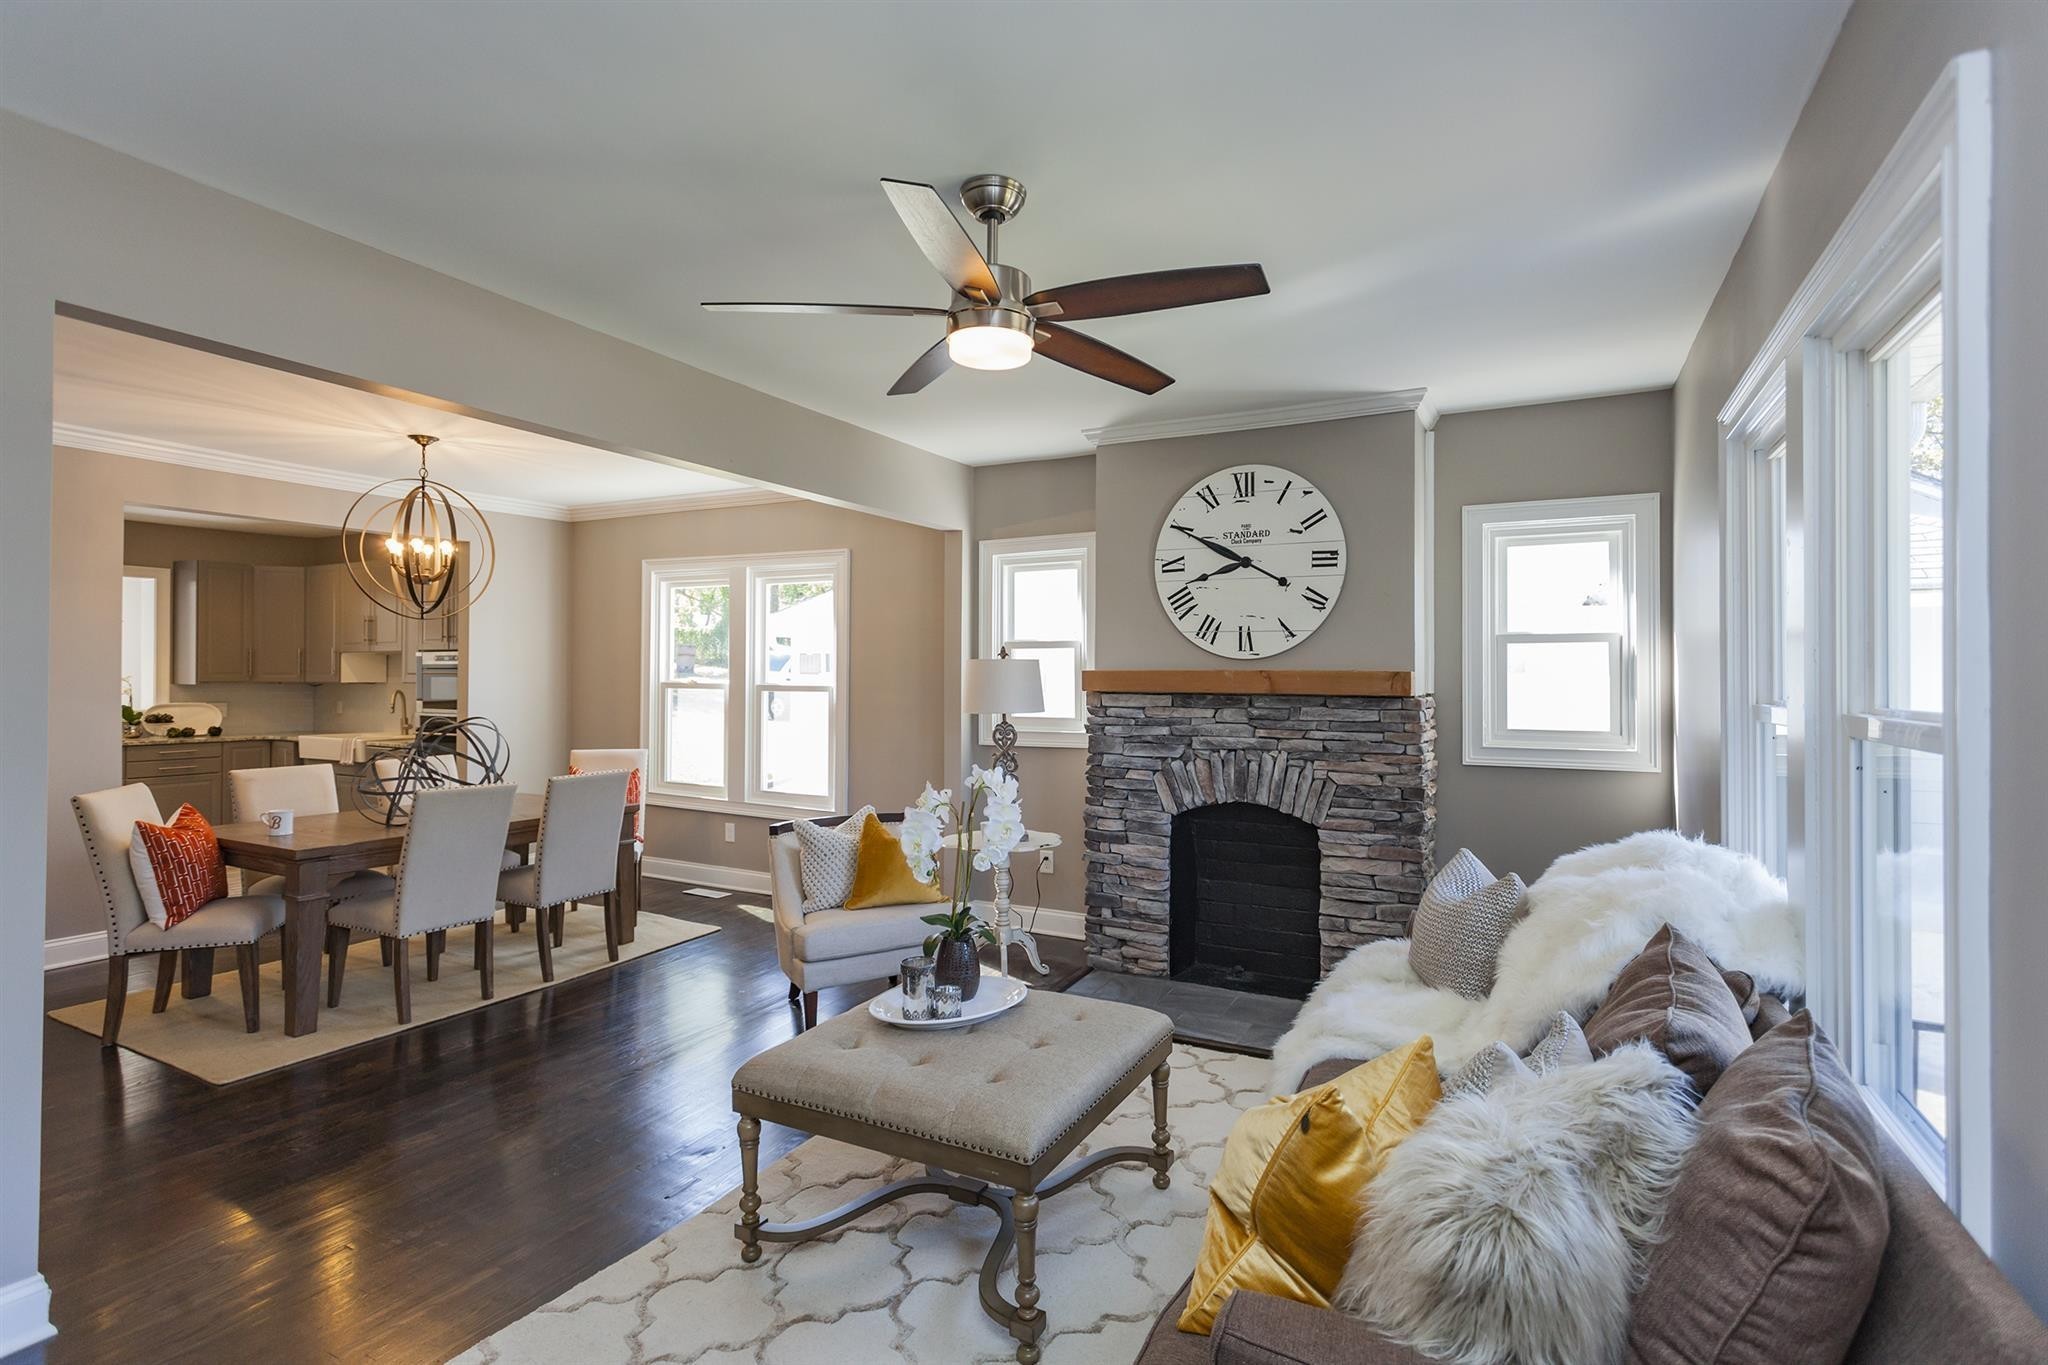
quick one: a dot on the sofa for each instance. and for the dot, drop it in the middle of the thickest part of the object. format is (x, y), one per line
(834, 947)
(1938, 1298)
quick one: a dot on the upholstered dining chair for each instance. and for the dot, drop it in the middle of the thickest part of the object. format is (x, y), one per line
(443, 764)
(632, 761)
(307, 789)
(447, 875)
(576, 859)
(106, 821)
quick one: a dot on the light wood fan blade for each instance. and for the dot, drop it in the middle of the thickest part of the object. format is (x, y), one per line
(942, 239)
(1123, 294)
(924, 369)
(876, 310)
(1086, 354)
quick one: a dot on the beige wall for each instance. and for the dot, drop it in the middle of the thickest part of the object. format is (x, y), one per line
(1887, 56)
(896, 660)
(517, 637)
(1365, 466)
(1518, 819)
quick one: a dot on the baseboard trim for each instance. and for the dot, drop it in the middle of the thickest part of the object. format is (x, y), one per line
(25, 1314)
(75, 950)
(706, 874)
(1048, 922)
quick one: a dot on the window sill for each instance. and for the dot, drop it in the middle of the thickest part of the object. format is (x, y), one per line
(1042, 739)
(1589, 760)
(754, 809)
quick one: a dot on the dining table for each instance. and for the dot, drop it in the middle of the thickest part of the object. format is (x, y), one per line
(320, 851)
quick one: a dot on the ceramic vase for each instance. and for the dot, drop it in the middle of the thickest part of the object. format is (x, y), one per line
(958, 964)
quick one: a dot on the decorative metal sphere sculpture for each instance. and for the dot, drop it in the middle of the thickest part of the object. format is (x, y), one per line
(427, 550)
(471, 752)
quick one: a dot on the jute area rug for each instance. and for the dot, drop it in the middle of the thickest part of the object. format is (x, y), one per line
(900, 1283)
(204, 1037)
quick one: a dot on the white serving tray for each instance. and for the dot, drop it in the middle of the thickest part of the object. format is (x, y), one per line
(997, 994)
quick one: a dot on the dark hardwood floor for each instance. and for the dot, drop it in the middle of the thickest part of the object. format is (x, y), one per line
(406, 1198)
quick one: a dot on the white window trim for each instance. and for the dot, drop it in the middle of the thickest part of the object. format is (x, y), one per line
(745, 575)
(1639, 744)
(1038, 733)
(1936, 182)
(1760, 428)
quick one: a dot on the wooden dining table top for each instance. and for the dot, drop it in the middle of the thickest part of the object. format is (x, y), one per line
(346, 833)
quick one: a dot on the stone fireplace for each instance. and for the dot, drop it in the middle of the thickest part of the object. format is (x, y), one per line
(1249, 828)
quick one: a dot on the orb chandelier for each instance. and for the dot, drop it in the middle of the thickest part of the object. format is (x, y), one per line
(424, 551)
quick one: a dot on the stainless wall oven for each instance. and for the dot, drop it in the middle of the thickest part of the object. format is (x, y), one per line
(438, 683)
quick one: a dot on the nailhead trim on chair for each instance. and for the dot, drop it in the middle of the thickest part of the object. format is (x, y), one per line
(540, 843)
(117, 942)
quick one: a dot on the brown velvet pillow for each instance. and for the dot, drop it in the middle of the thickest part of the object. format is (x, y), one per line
(1673, 995)
(1777, 1226)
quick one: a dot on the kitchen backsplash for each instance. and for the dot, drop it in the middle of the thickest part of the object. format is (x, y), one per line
(296, 708)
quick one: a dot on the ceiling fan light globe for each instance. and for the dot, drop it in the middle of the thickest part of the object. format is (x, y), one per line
(988, 348)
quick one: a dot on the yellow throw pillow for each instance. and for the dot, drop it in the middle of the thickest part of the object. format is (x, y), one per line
(882, 875)
(1284, 1204)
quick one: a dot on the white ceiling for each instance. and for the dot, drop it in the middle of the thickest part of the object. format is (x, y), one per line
(135, 395)
(1501, 202)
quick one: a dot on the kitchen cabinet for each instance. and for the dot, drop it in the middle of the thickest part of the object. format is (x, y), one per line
(197, 771)
(277, 598)
(324, 612)
(284, 753)
(212, 624)
(245, 753)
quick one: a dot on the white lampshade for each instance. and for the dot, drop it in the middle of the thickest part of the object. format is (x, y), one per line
(998, 687)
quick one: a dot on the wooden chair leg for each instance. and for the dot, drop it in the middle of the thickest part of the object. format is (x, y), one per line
(436, 940)
(117, 998)
(166, 973)
(515, 915)
(384, 949)
(337, 961)
(401, 979)
(558, 923)
(810, 1009)
(611, 925)
(486, 966)
(252, 999)
(546, 941)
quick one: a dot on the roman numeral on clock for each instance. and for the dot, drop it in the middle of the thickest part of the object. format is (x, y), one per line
(1208, 497)
(1322, 559)
(1244, 639)
(1285, 629)
(1310, 521)
(1178, 564)
(1315, 599)
(1244, 484)
(1208, 630)
(1182, 602)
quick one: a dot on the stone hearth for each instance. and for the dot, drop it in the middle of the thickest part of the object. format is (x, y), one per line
(1360, 769)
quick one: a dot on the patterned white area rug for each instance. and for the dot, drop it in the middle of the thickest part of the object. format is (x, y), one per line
(900, 1283)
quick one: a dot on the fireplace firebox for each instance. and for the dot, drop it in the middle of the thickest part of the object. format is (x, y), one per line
(1246, 884)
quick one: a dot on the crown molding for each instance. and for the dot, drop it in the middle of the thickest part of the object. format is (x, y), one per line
(1293, 414)
(681, 502)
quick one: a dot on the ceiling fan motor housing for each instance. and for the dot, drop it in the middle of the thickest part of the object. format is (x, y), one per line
(992, 198)
(1007, 312)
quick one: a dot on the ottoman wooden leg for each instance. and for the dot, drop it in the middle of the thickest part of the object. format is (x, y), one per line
(1162, 1154)
(750, 1194)
(1029, 1322)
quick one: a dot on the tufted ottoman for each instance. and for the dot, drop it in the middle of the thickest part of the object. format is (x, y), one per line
(990, 1110)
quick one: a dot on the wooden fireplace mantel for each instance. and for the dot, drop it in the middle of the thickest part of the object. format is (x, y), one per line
(1276, 682)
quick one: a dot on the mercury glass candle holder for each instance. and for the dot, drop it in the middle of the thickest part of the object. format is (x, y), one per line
(945, 1002)
(916, 974)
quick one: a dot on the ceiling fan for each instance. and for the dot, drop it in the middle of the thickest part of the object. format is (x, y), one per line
(996, 321)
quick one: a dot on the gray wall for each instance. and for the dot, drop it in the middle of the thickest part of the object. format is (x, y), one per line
(1887, 56)
(1519, 819)
(1365, 466)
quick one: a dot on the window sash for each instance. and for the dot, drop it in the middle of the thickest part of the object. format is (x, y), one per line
(1001, 562)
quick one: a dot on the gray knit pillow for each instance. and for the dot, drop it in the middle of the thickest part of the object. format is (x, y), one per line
(1454, 940)
(1565, 1045)
(826, 859)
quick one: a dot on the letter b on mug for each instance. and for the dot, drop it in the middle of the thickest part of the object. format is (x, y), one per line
(277, 822)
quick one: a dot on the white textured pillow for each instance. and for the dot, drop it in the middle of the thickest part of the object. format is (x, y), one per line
(1465, 915)
(1565, 1045)
(1512, 1225)
(826, 856)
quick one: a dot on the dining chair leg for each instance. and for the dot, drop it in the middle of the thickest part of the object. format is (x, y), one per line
(546, 941)
(437, 939)
(611, 925)
(486, 966)
(384, 950)
(558, 923)
(117, 998)
(515, 915)
(252, 1000)
(401, 979)
(337, 960)
(166, 973)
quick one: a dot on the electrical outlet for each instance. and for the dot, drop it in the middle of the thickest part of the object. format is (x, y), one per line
(1045, 860)
(731, 831)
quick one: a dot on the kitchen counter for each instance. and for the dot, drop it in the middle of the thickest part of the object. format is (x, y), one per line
(201, 738)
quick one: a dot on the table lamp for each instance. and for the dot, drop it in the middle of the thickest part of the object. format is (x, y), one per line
(1000, 687)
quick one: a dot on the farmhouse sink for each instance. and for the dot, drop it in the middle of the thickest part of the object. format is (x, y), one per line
(350, 747)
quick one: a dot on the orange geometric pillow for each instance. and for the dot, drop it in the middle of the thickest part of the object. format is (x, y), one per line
(632, 799)
(177, 867)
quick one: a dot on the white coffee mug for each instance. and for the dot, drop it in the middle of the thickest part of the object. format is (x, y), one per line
(277, 822)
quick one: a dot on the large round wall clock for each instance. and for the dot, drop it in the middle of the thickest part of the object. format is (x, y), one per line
(1250, 561)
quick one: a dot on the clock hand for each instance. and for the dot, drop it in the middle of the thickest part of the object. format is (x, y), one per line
(1220, 549)
(1249, 564)
(1239, 563)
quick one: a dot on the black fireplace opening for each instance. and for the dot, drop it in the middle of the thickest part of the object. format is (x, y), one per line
(1246, 891)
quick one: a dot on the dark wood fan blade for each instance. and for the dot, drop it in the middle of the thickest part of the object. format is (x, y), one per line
(941, 238)
(880, 310)
(1121, 294)
(1089, 356)
(924, 369)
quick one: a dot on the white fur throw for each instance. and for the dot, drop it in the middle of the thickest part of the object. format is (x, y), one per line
(1588, 915)
(1512, 1226)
